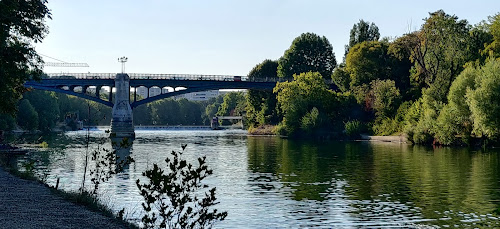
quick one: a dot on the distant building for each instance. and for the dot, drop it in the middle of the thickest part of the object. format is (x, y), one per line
(154, 91)
(200, 96)
(194, 96)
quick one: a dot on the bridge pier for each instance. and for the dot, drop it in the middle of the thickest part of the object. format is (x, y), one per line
(122, 125)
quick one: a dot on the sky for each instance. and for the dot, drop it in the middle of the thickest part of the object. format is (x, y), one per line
(220, 37)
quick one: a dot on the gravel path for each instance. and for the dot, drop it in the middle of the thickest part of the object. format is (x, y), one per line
(28, 204)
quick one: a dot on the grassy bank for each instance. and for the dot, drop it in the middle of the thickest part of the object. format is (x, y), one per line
(262, 130)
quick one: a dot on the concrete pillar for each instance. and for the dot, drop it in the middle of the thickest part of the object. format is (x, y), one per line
(122, 121)
(98, 91)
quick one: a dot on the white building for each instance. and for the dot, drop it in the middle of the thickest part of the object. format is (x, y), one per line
(200, 96)
(142, 92)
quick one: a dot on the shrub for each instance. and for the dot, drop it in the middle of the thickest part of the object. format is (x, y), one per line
(173, 193)
(353, 129)
(483, 101)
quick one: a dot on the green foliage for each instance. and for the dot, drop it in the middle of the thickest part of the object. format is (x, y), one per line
(7, 122)
(296, 98)
(312, 121)
(361, 32)
(386, 97)
(142, 115)
(45, 104)
(448, 126)
(441, 50)
(107, 163)
(261, 105)
(493, 26)
(353, 129)
(21, 23)
(27, 117)
(308, 53)
(173, 193)
(266, 69)
(390, 126)
(234, 104)
(455, 118)
(341, 78)
(483, 101)
(421, 118)
(368, 61)
(175, 112)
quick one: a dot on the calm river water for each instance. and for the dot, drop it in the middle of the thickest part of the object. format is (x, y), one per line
(268, 182)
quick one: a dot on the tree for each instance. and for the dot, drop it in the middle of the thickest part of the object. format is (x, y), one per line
(27, 117)
(234, 104)
(493, 27)
(261, 105)
(483, 101)
(306, 93)
(45, 104)
(308, 53)
(368, 61)
(211, 108)
(21, 22)
(360, 32)
(341, 78)
(386, 97)
(7, 122)
(439, 51)
(455, 118)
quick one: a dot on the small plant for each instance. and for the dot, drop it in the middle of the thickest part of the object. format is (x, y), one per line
(107, 164)
(172, 193)
(44, 145)
(353, 129)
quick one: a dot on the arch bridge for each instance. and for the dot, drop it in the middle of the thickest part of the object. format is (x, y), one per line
(100, 87)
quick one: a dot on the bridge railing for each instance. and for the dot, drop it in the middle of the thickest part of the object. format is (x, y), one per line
(79, 76)
(168, 77)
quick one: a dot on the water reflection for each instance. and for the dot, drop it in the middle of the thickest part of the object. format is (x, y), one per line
(384, 180)
(267, 182)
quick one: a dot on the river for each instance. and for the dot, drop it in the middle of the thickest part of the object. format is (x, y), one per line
(268, 182)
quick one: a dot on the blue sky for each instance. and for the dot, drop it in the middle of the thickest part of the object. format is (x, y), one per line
(220, 37)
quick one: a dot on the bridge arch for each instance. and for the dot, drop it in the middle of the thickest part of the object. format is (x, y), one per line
(69, 92)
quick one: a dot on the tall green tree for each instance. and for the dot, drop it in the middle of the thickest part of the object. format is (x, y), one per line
(440, 51)
(483, 101)
(360, 32)
(308, 53)
(21, 23)
(261, 105)
(493, 27)
(368, 61)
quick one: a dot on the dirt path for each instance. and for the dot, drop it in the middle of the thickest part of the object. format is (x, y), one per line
(28, 204)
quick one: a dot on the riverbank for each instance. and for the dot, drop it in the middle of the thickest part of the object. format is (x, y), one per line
(29, 204)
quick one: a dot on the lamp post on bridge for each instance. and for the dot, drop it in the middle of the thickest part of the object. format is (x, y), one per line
(122, 117)
(122, 60)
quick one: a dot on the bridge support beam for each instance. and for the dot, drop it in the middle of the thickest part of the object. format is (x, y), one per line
(122, 125)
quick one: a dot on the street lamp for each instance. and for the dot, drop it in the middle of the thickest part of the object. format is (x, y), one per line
(123, 60)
